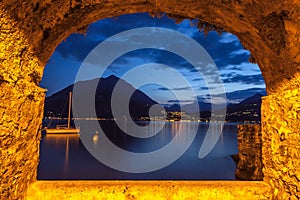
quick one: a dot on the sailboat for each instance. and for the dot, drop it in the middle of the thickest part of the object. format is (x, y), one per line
(64, 129)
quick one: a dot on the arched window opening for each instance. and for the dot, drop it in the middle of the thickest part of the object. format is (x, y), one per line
(69, 157)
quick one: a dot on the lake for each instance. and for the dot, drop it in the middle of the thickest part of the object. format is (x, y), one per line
(66, 156)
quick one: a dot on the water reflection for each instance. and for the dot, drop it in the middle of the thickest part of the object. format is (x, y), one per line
(96, 138)
(65, 157)
(53, 151)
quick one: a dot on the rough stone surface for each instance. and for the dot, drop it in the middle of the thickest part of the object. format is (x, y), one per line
(281, 143)
(31, 30)
(147, 190)
(249, 157)
(269, 29)
(20, 112)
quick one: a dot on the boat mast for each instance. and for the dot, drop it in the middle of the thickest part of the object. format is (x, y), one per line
(69, 113)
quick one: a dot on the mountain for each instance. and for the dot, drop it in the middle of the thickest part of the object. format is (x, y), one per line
(56, 104)
(233, 98)
(189, 108)
(246, 110)
(240, 95)
(139, 104)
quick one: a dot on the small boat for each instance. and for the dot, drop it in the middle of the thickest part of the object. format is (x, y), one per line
(64, 129)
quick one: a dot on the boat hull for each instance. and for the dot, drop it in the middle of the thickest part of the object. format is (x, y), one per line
(62, 131)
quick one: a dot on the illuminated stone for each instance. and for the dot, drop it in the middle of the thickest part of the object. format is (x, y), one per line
(31, 30)
(249, 157)
(147, 190)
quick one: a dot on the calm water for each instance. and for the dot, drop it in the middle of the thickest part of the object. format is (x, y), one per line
(65, 156)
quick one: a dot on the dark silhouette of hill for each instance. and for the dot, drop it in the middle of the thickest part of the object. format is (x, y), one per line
(139, 104)
(246, 110)
(56, 104)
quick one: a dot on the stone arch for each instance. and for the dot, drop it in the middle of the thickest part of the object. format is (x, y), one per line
(31, 30)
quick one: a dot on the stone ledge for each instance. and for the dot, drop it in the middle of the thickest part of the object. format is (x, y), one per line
(147, 190)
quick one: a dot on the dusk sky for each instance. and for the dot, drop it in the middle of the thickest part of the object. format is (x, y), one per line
(241, 78)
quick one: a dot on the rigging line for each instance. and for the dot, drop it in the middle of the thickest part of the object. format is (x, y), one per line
(60, 114)
(63, 109)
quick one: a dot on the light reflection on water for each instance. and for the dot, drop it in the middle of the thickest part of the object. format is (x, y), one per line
(65, 156)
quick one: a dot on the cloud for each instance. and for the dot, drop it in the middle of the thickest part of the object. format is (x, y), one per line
(227, 38)
(225, 49)
(239, 52)
(256, 79)
(243, 94)
(197, 79)
(162, 88)
(175, 101)
(188, 27)
(235, 96)
(234, 67)
(178, 89)
(78, 45)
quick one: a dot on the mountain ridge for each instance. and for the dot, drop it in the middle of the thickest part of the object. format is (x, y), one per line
(139, 104)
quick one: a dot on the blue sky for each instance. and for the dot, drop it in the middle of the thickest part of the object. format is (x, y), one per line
(241, 78)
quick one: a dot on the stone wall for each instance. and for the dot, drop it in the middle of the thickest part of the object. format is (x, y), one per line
(21, 112)
(281, 143)
(148, 190)
(269, 29)
(249, 157)
(31, 30)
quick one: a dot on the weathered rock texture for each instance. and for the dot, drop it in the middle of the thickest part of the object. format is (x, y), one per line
(249, 157)
(20, 111)
(281, 143)
(30, 31)
(147, 190)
